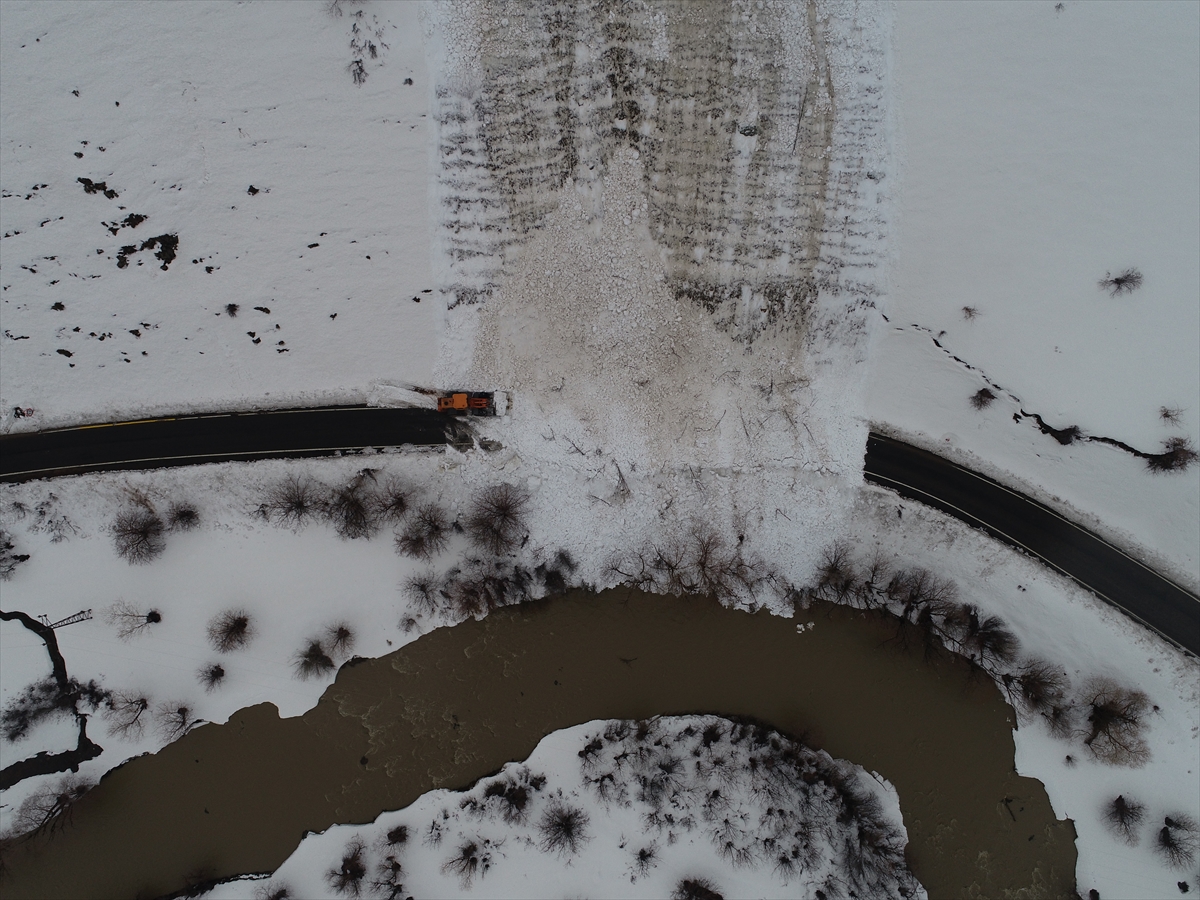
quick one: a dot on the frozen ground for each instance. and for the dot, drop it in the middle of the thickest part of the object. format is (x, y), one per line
(668, 364)
(1033, 162)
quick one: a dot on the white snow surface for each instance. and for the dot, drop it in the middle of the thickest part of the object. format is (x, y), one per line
(1031, 163)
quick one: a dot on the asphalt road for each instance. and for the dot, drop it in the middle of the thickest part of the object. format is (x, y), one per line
(913, 473)
(189, 440)
(1024, 523)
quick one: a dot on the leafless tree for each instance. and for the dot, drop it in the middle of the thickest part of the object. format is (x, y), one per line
(124, 713)
(497, 518)
(130, 620)
(1036, 688)
(1176, 841)
(696, 889)
(423, 591)
(1115, 722)
(211, 676)
(273, 890)
(472, 859)
(230, 630)
(9, 558)
(1124, 282)
(312, 661)
(347, 877)
(173, 719)
(138, 535)
(50, 807)
(1124, 816)
(425, 534)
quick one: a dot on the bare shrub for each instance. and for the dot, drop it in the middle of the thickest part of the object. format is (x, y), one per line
(387, 883)
(1177, 455)
(273, 890)
(564, 829)
(339, 638)
(645, 859)
(9, 558)
(182, 517)
(423, 591)
(347, 877)
(138, 535)
(1124, 816)
(392, 500)
(473, 858)
(130, 620)
(230, 630)
(125, 713)
(1170, 414)
(425, 535)
(497, 518)
(970, 312)
(990, 638)
(50, 807)
(982, 398)
(696, 889)
(1036, 688)
(312, 661)
(231, 310)
(173, 719)
(351, 509)
(1176, 841)
(211, 676)
(837, 577)
(1115, 723)
(293, 501)
(1124, 282)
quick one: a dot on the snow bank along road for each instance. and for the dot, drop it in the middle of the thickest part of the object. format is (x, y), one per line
(1024, 523)
(915, 474)
(190, 440)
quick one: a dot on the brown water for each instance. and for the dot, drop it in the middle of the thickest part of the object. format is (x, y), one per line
(460, 702)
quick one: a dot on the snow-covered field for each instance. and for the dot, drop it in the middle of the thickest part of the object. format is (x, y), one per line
(474, 229)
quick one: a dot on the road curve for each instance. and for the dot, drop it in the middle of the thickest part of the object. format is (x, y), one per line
(1021, 522)
(913, 473)
(190, 440)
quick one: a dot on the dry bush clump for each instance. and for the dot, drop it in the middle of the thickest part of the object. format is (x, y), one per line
(138, 535)
(563, 829)
(293, 501)
(982, 398)
(351, 508)
(1170, 414)
(130, 620)
(182, 517)
(391, 500)
(1176, 841)
(340, 638)
(313, 661)
(1124, 816)
(1124, 282)
(496, 521)
(423, 591)
(1115, 721)
(1036, 688)
(347, 877)
(699, 562)
(1178, 455)
(273, 890)
(425, 535)
(696, 889)
(230, 630)
(9, 558)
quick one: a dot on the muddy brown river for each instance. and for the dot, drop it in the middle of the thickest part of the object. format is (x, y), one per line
(460, 702)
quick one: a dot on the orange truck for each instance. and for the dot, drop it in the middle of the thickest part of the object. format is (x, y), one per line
(474, 403)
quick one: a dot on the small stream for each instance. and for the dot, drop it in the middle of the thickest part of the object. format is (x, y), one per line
(460, 702)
